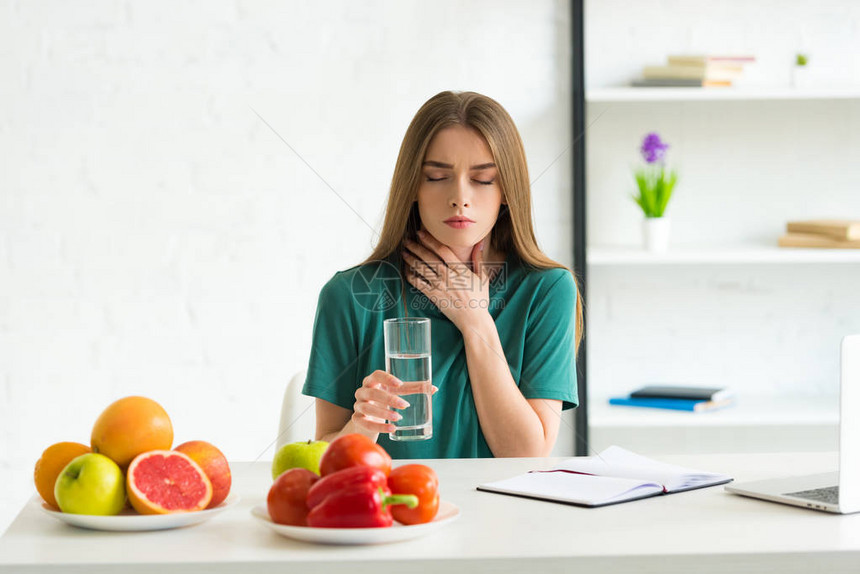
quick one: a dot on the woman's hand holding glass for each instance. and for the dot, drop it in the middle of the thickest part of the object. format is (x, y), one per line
(376, 402)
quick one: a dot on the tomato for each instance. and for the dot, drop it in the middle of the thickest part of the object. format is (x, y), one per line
(286, 499)
(354, 450)
(421, 481)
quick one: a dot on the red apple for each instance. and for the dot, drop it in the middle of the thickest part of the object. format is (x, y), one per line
(214, 464)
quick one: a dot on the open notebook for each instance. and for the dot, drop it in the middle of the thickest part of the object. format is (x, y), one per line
(615, 475)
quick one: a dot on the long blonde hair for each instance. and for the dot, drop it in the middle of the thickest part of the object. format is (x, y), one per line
(513, 229)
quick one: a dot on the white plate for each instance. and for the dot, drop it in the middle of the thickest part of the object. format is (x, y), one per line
(129, 520)
(447, 514)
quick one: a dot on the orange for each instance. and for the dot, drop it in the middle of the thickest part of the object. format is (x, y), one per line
(166, 481)
(53, 461)
(129, 427)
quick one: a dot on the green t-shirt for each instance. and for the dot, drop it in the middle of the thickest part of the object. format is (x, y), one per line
(534, 312)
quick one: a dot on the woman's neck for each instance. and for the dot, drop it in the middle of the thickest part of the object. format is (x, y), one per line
(490, 255)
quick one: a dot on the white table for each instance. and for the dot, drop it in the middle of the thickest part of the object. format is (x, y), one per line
(706, 530)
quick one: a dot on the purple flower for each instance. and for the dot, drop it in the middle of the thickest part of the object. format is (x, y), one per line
(653, 149)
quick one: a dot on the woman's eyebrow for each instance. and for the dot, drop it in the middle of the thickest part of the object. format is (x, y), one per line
(442, 165)
(482, 166)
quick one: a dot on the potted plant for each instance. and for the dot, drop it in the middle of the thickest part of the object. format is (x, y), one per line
(655, 185)
(800, 71)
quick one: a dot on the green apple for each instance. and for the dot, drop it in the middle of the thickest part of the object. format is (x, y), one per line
(304, 454)
(91, 484)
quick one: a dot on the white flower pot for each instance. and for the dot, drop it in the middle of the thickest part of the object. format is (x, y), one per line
(655, 233)
(801, 77)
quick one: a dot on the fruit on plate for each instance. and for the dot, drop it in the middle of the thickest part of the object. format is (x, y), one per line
(90, 484)
(354, 450)
(166, 481)
(420, 480)
(214, 464)
(286, 499)
(54, 459)
(131, 426)
(302, 454)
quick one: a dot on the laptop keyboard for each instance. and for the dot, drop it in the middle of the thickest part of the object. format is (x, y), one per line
(829, 494)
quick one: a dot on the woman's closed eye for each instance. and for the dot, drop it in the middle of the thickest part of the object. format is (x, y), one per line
(443, 178)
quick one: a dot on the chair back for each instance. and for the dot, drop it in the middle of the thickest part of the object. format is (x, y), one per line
(298, 414)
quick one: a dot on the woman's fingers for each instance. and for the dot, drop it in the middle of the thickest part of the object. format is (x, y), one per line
(372, 425)
(377, 411)
(435, 254)
(375, 403)
(478, 260)
(420, 267)
(380, 378)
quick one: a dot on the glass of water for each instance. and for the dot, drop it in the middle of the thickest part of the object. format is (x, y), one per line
(407, 357)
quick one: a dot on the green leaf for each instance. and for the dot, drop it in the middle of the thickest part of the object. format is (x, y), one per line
(655, 190)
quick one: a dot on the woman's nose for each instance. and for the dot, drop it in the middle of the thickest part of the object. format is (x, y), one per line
(460, 194)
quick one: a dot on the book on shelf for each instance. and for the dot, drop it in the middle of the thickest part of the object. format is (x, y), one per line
(690, 73)
(691, 405)
(814, 240)
(844, 229)
(688, 392)
(613, 476)
(678, 83)
(706, 71)
(702, 60)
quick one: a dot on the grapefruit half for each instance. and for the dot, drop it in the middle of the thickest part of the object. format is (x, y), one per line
(165, 481)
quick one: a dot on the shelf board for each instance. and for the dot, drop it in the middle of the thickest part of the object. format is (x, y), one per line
(753, 410)
(742, 254)
(630, 94)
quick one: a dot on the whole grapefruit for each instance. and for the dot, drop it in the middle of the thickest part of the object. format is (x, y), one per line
(214, 464)
(166, 481)
(129, 427)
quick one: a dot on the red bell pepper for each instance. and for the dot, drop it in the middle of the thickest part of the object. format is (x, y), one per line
(420, 480)
(344, 480)
(354, 500)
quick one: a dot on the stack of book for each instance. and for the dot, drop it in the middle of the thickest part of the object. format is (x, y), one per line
(686, 71)
(677, 397)
(822, 233)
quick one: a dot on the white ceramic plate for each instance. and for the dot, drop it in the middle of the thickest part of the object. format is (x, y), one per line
(447, 514)
(129, 520)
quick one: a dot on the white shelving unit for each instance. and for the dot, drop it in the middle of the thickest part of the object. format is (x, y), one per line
(740, 254)
(628, 94)
(755, 423)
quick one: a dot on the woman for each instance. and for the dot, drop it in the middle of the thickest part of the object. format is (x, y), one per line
(458, 246)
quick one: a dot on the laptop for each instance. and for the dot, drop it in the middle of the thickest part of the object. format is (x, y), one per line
(839, 491)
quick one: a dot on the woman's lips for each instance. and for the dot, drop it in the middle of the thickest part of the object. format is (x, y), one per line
(459, 224)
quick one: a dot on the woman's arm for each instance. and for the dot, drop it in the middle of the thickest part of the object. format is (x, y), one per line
(334, 421)
(374, 405)
(512, 424)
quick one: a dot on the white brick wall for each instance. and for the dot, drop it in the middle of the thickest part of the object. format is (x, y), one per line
(157, 238)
